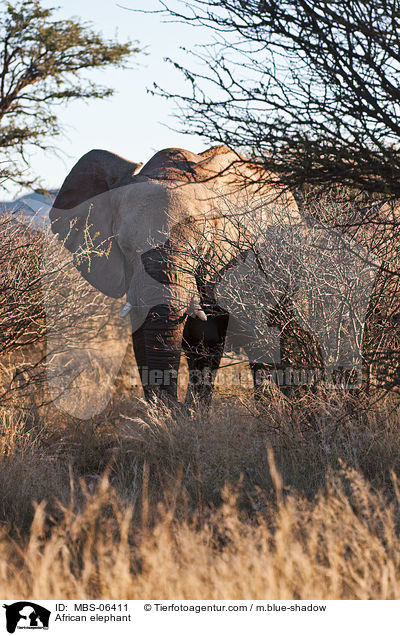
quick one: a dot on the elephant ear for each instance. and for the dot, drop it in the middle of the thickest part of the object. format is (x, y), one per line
(82, 217)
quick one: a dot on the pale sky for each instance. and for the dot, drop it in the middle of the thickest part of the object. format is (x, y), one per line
(132, 123)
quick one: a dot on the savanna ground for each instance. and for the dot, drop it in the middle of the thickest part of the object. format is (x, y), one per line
(275, 501)
(281, 499)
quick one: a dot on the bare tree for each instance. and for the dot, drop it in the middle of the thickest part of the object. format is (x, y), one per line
(309, 89)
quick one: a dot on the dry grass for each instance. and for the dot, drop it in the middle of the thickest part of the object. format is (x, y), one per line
(276, 501)
(341, 545)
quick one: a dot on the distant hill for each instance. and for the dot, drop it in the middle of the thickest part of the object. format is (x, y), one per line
(32, 208)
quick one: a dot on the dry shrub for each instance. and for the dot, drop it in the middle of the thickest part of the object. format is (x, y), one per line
(59, 337)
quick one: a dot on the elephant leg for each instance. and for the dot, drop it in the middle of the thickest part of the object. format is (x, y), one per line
(301, 360)
(157, 345)
(140, 352)
(203, 343)
(291, 378)
(299, 368)
(262, 374)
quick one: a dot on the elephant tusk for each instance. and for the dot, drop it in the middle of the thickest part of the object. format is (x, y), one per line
(126, 310)
(199, 313)
(195, 311)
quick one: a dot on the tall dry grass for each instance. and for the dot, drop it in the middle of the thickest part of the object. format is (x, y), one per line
(241, 501)
(338, 546)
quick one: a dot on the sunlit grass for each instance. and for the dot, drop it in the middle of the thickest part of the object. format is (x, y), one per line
(277, 500)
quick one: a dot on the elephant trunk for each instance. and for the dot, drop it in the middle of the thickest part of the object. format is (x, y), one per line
(157, 345)
(167, 293)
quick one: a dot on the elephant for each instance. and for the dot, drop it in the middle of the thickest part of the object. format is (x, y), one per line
(164, 234)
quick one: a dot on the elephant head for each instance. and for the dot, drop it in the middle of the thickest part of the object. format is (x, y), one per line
(143, 234)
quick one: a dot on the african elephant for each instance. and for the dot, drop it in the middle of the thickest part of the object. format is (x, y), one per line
(157, 235)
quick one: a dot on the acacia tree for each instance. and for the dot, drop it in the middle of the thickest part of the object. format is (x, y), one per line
(310, 88)
(42, 64)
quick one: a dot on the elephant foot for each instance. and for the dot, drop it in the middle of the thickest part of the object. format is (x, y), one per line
(155, 395)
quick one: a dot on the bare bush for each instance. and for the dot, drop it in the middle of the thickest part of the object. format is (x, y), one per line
(47, 312)
(309, 300)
